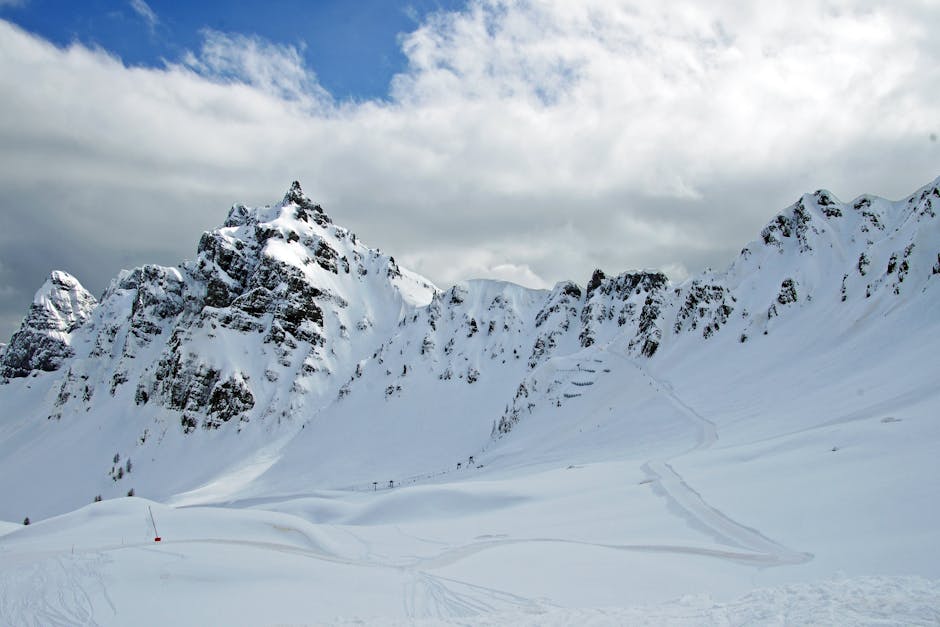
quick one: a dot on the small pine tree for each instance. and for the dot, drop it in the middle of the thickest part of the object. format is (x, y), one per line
(26, 520)
(98, 499)
(117, 457)
(130, 492)
(128, 466)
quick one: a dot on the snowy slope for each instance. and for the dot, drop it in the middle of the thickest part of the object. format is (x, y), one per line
(488, 451)
(99, 565)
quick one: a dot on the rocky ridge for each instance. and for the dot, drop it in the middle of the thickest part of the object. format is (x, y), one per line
(285, 321)
(43, 342)
(282, 281)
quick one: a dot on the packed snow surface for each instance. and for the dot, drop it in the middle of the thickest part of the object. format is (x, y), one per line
(757, 446)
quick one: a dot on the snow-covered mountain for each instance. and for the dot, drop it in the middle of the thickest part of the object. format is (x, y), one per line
(291, 368)
(59, 308)
(299, 295)
(285, 320)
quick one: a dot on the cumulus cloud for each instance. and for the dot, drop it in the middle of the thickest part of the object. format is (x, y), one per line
(527, 140)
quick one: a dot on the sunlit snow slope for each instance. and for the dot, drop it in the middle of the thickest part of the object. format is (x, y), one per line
(322, 434)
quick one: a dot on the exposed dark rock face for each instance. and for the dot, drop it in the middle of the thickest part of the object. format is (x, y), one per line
(649, 334)
(793, 225)
(554, 319)
(235, 284)
(633, 299)
(158, 297)
(817, 248)
(305, 210)
(274, 278)
(42, 343)
(707, 306)
(597, 279)
(229, 399)
(787, 293)
(825, 202)
(185, 384)
(280, 311)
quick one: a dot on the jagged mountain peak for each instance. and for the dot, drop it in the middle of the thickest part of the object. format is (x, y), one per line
(304, 206)
(295, 204)
(307, 295)
(267, 376)
(295, 195)
(285, 320)
(866, 217)
(43, 341)
(295, 234)
(63, 295)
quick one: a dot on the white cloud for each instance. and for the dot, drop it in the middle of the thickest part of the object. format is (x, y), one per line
(143, 9)
(534, 140)
(12, 3)
(272, 69)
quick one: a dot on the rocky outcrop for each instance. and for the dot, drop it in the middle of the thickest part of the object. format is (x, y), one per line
(43, 341)
(270, 307)
(554, 320)
(705, 305)
(633, 301)
(282, 312)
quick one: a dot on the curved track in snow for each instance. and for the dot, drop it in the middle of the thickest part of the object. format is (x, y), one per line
(668, 483)
(708, 434)
(58, 590)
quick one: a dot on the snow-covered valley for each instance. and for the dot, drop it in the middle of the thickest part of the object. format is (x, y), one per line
(323, 437)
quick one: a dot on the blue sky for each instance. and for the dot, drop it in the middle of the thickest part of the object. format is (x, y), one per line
(523, 140)
(352, 46)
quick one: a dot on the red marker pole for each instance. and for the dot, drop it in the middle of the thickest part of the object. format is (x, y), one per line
(156, 535)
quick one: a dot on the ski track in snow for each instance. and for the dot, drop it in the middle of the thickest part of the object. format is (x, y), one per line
(61, 589)
(55, 591)
(431, 596)
(689, 503)
(43, 583)
(861, 601)
(77, 579)
(755, 548)
(669, 484)
(708, 435)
